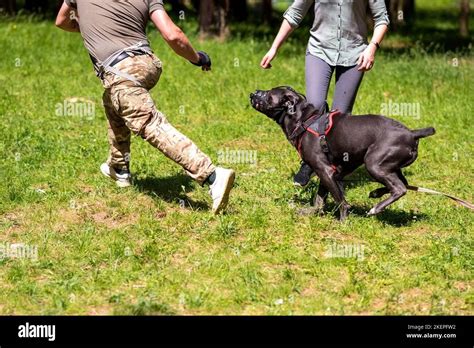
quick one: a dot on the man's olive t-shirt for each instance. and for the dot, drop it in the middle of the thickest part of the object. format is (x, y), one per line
(108, 26)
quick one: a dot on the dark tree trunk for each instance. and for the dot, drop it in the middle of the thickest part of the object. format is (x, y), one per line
(239, 10)
(206, 10)
(213, 18)
(464, 19)
(36, 5)
(267, 9)
(8, 5)
(409, 10)
(222, 15)
(177, 6)
(401, 12)
(57, 6)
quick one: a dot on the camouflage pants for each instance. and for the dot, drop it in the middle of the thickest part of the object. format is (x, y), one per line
(130, 109)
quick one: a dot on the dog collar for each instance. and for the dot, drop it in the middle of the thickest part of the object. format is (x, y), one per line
(282, 112)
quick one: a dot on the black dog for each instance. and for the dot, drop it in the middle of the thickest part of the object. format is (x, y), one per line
(335, 144)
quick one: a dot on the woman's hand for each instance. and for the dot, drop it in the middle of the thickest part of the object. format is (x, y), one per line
(267, 59)
(285, 31)
(367, 58)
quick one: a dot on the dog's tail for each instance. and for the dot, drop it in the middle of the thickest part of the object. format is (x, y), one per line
(423, 133)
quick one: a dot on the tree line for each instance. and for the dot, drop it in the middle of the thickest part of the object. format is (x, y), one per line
(214, 16)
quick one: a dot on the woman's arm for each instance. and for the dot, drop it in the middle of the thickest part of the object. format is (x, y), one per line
(381, 20)
(285, 30)
(292, 19)
(379, 34)
(66, 19)
(367, 58)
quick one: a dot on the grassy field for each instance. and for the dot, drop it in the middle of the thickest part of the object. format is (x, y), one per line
(156, 249)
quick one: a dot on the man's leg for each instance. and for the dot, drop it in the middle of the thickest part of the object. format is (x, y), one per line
(318, 77)
(118, 163)
(176, 146)
(118, 135)
(138, 111)
(141, 116)
(348, 80)
(136, 108)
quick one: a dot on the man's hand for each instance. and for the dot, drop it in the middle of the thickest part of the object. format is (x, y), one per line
(176, 39)
(367, 58)
(204, 61)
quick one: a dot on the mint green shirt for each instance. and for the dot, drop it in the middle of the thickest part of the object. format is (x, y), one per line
(339, 32)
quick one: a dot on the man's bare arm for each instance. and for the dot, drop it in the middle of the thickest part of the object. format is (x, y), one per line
(174, 36)
(66, 19)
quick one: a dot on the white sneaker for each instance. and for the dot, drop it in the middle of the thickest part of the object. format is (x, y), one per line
(220, 189)
(122, 179)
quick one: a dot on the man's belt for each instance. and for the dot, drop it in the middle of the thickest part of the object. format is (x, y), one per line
(139, 49)
(125, 55)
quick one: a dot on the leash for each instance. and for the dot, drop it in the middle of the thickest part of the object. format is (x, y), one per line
(433, 192)
(460, 201)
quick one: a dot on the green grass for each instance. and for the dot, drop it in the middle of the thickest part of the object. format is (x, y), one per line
(108, 251)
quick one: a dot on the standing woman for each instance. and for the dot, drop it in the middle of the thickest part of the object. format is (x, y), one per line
(338, 42)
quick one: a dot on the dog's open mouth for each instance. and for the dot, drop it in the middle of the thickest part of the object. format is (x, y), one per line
(256, 102)
(257, 105)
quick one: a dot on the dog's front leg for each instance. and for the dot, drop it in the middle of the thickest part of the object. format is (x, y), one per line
(320, 198)
(327, 179)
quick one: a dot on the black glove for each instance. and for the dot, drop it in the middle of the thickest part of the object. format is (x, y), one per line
(204, 61)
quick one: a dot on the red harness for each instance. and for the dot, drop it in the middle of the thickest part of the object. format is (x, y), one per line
(307, 127)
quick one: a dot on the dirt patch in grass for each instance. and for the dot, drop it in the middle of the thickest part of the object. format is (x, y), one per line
(99, 311)
(415, 300)
(13, 231)
(334, 282)
(68, 217)
(110, 217)
(98, 212)
(462, 286)
(378, 305)
(15, 222)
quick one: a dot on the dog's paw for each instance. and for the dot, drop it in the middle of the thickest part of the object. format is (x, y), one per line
(372, 212)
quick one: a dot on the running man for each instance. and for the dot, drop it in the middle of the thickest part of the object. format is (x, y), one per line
(114, 34)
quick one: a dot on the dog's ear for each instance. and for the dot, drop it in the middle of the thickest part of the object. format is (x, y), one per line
(291, 99)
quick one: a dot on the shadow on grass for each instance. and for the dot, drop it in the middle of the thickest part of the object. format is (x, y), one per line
(396, 218)
(360, 177)
(171, 189)
(390, 216)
